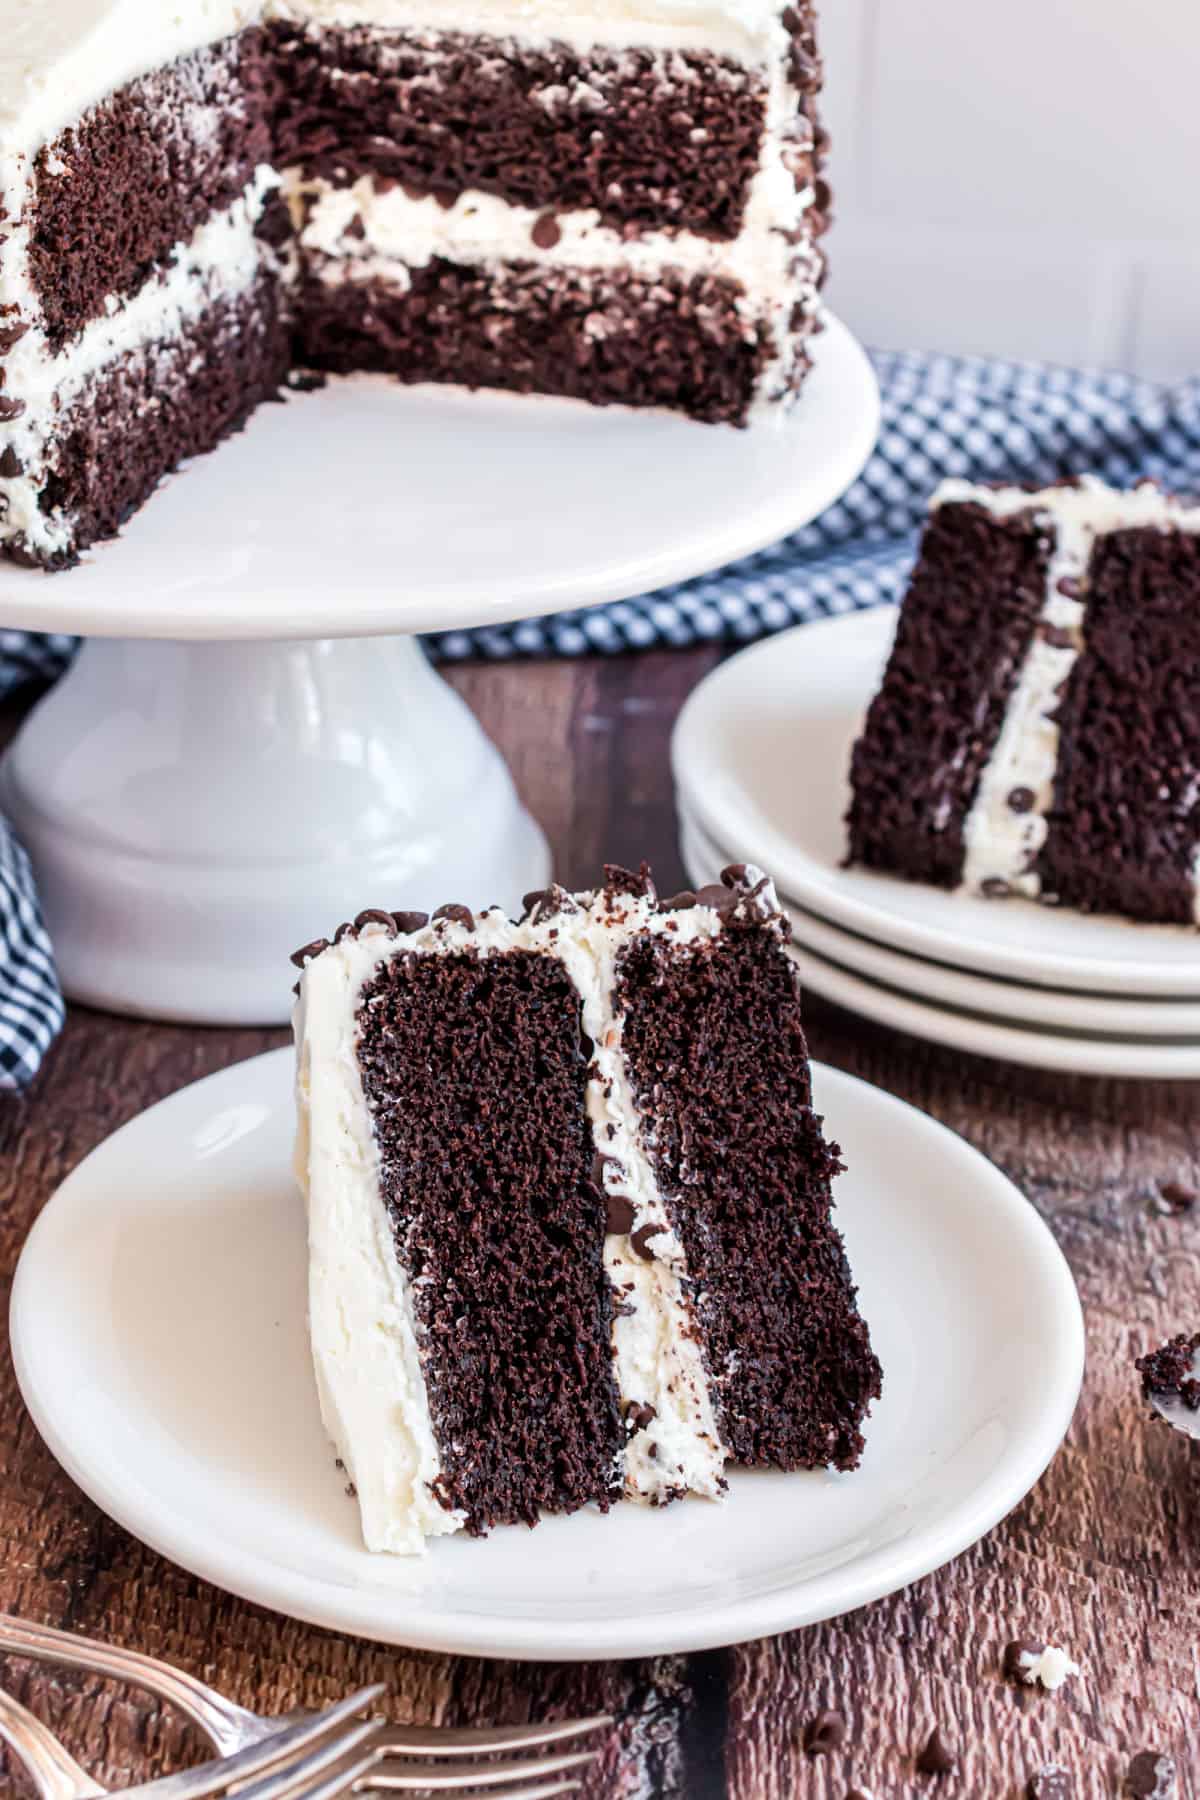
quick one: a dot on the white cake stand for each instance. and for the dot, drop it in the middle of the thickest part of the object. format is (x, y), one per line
(246, 752)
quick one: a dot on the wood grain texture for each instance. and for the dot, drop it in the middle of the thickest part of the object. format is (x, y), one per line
(1100, 1558)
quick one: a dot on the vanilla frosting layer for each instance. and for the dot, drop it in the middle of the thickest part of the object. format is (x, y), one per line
(369, 233)
(364, 1339)
(224, 257)
(59, 57)
(1006, 826)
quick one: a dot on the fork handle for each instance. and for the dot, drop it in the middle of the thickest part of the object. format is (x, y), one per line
(50, 1766)
(221, 1722)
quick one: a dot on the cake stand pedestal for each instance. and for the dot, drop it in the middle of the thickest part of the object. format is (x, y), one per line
(252, 745)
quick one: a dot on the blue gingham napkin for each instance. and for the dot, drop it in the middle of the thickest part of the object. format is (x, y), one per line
(968, 416)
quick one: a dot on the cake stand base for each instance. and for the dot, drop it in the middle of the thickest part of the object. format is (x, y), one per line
(197, 811)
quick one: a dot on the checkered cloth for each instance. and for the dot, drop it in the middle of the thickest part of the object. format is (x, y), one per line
(990, 421)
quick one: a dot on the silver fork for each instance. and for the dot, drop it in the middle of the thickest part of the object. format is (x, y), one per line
(319, 1771)
(450, 1756)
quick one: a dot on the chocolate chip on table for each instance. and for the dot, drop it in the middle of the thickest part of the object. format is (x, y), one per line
(1175, 1198)
(825, 1733)
(937, 1758)
(1151, 1776)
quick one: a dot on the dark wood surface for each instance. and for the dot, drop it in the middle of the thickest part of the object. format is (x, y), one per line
(1101, 1558)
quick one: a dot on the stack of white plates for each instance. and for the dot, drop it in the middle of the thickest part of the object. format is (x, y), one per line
(761, 757)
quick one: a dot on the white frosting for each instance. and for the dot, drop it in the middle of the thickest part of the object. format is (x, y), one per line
(1002, 842)
(394, 232)
(1051, 1667)
(364, 1337)
(364, 1343)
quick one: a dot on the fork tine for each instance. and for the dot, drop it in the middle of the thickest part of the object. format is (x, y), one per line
(329, 1758)
(281, 1746)
(442, 1778)
(433, 1740)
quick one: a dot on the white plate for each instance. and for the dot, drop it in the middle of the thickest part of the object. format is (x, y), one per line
(1074, 1055)
(762, 753)
(159, 1335)
(1104, 1015)
(452, 509)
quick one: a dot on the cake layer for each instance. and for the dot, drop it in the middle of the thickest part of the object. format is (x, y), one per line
(642, 138)
(556, 1255)
(1124, 825)
(606, 338)
(114, 195)
(967, 623)
(497, 1225)
(719, 1072)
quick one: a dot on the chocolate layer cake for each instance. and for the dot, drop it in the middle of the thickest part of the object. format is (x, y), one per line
(617, 203)
(1038, 730)
(569, 1208)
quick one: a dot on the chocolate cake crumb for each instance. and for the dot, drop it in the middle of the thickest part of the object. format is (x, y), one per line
(1152, 1776)
(936, 1758)
(825, 1733)
(1175, 1198)
(1167, 1372)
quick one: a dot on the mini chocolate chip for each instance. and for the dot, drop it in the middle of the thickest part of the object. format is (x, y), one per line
(300, 957)
(459, 915)
(639, 1415)
(1068, 585)
(623, 881)
(10, 409)
(824, 1733)
(10, 464)
(619, 1214)
(1152, 1776)
(937, 1758)
(1022, 799)
(11, 335)
(624, 1310)
(1056, 637)
(736, 875)
(408, 922)
(1014, 1667)
(545, 233)
(600, 1163)
(640, 1239)
(1176, 1197)
(681, 902)
(995, 887)
(1049, 1783)
(344, 930)
(373, 916)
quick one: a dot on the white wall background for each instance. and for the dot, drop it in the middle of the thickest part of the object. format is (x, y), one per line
(1021, 178)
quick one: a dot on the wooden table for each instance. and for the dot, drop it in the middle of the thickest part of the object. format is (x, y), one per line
(1101, 1558)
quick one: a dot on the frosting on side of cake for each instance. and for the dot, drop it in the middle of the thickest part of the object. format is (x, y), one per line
(1007, 824)
(370, 1383)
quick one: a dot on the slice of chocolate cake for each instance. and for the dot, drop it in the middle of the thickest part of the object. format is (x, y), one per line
(616, 203)
(569, 1208)
(1038, 732)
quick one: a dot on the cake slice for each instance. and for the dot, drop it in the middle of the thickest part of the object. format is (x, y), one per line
(1037, 732)
(569, 1208)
